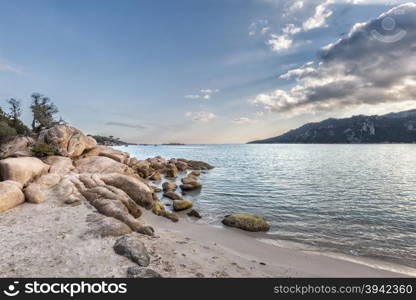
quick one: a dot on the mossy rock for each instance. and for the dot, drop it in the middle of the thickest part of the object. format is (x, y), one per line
(182, 204)
(246, 222)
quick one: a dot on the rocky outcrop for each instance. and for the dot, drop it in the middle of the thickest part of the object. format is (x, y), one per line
(17, 147)
(101, 165)
(59, 165)
(131, 247)
(246, 222)
(119, 156)
(35, 191)
(22, 169)
(66, 141)
(11, 195)
(179, 205)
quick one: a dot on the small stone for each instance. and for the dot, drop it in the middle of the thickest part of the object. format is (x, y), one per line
(194, 213)
(138, 272)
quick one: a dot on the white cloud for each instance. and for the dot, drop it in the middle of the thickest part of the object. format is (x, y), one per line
(279, 42)
(244, 120)
(202, 116)
(204, 94)
(9, 68)
(359, 69)
(259, 26)
(322, 13)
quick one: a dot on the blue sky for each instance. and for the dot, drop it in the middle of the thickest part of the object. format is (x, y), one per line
(206, 71)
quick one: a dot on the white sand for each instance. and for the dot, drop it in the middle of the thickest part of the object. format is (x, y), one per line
(46, 240)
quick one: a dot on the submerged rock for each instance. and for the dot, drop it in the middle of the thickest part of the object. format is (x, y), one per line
(194, 213)
(190, 182)
(172, 195)
(11, 195)
(139, 272)
(247, 222)
(182, 204)
(131, 247)
(196, 164)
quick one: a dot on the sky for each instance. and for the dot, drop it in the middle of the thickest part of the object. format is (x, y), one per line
(208, 71)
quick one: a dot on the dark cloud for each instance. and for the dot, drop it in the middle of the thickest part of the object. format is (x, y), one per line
(375, 63)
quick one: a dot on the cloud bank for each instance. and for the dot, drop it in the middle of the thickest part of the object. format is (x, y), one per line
(375, 63)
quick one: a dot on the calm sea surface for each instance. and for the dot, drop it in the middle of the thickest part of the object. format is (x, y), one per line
(355, 199)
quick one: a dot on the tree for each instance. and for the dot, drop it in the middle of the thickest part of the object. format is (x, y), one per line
(43, 112)
(15, 107)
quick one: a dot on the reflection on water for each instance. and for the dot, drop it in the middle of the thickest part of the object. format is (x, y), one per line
(355, 199)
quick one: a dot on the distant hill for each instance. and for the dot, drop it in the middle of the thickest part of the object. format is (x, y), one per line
(391, 128)
(109, 141)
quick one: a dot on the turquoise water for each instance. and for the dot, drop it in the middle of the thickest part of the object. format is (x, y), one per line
(355, 199)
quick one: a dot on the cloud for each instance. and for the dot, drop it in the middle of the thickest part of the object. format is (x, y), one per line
(258, 27)
(322, 13)
(9, 68)
(122, 124)
(201, 116)
(244, 120)
(204, 94)
(279, 42)
(375, 63)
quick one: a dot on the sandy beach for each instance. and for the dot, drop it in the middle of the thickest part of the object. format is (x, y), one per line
(51, 240)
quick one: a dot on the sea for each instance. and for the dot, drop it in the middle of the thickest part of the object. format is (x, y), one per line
(358, 199)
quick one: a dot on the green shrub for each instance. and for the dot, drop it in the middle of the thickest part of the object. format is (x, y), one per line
(42, 150)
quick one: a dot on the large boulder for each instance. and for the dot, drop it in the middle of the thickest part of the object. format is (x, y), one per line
(119, 156)
(131, 247)
(103, 226)
(169, 186)
(66, 140)
(11, 195)
(35, 191)
(101, 165)
(59, 165)
(246, 222)
(22, 169)
(19, 146)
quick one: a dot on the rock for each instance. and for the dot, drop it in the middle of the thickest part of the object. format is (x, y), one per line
(131, 247)
(34, 194)
(181, 166)
(66, 140)
(190, 182)
(11, 195)
(169, 186)
(155, 189)
(119, 156)
(247, 222)
(171, 171)
(103, 226)
(196, 165)
(139, 272)
(194, 213)
(59, 164)
(22, 169)
(19, 146)
(101, 165)
(156, 176)
(35, 191)
(182, 204)
(137, 190)
(172, 195)
(159, 210)
(146, 230)
(195, 173)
